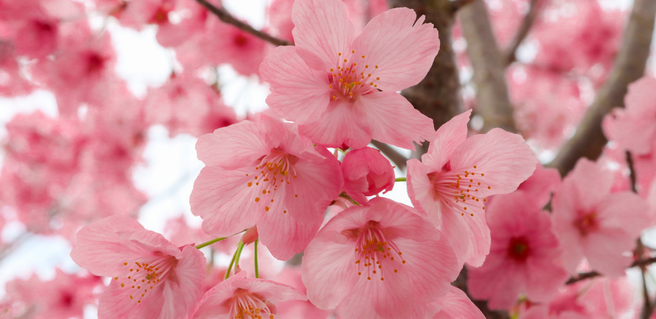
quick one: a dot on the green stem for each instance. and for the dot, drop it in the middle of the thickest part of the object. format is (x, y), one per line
(235, 257)
(400, 179)
(207, 243)
(257, 268)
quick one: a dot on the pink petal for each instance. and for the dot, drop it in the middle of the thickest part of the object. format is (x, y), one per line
(114, 302)
(317, 184)
(224, 201)
(328, 267)
(99, 248)
(501, 290)
(504, 158)
(232, 147)
(402, 48)
(456, 305)
(447, 139)
(322, 30)
(468, 234)
(339, 125)
(163, 304)
(604, 251)
(544, 279)
(190, 276)
(298, 92)
(592, 183)
(392, 119)
(271, 291)
(211, 304)
(285, 236)
(421, 193)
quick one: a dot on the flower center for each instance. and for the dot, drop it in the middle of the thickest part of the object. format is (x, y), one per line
(144, 274)
(462, 187)
(351, 78)
(244, 305)
(273, 173)
(587, 223)
(518, 249)
(374, 250)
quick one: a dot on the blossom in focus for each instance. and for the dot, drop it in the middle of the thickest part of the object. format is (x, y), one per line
(453, 179)
(264, 173)
(523, 255)
(378, 261)
(341, 90)
(366, 173)
(243, 297)
(151, 278)
(593, 223)
(456, 305)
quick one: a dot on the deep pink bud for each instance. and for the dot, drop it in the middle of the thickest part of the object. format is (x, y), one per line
(366, 173)
(250, 236)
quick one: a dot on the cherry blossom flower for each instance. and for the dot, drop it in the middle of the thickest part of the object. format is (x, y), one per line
(263, 173)
(297, 309)
(378, 261)
(523, 255)
(591, 222)
(151, 278)
(366, 173)
(243, 297)
(633, 128)
(341, 89)
(453, 179)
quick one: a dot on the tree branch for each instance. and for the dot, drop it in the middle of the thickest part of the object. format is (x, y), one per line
(589, 140)
(397, 158)
(592, 274)
(492, 98)
(226, 17)
(509, 55)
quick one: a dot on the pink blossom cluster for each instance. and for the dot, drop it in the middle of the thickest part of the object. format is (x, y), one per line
(299, 182)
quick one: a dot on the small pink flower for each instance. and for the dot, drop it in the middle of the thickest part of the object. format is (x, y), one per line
(242, 297)
(366, 173)
(264, 173)
(591, 222)
(151, 278)
(341, 88)
(523, 255)
(378, 261)
(451, 182)
(634, 128)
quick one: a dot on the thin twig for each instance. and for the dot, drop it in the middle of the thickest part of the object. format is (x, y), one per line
(592, 274)
(226, 17)
(397, 158)
(509, 55)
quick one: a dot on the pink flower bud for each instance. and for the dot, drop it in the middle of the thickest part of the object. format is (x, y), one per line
(366, 173)
(250, 236)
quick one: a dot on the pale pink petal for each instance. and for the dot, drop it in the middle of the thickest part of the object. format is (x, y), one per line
(447, 139)
(456, 305)
(604, 251)
(224, 201)
(328, 267)
(190, 275)
(402, 49)
(393, 120)
(479, 236)
(501, 290)
(504, 158)
(630, 133)
(114, 302)
(541, 184)
(101, 250)
(544, 279)
(421, 192)
(232, 147)
(592, 183)
(164, 305)
(316, 185)
(285, 236)
(322, 30)
(339, 125)
(211, 304)
(298, 93)
(272, 291)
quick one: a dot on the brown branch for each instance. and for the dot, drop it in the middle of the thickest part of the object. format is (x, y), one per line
(509, 55)
(459, 4)
(492, 98)
(589, 140)
(592, 274)
(397, 158)
(226, 17)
